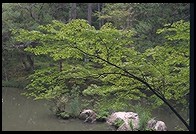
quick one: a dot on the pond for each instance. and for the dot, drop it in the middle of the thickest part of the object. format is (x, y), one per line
(22, 114)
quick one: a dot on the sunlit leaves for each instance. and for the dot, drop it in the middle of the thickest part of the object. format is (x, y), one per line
(165, 68)
(171, 63)
(45, 84)
(180, 29)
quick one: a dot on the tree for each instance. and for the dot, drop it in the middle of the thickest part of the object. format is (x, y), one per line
(145, 19)
(12, 18)
(73, 12)
(21, 15)
(120, 14)
(29, 16)
(89, 13)
(120, 65)
(99, 10)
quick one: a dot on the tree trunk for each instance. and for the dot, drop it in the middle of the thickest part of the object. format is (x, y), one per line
(89, 17)
(30, 61)
(90, 13)
(72, 13)
(99, 10)
(128, 19)
(102, 20)
(22, 59)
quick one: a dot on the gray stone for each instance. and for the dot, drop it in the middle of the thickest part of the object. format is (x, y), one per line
(156, 125)
(127, 117)
(124, 127)
(88, 115)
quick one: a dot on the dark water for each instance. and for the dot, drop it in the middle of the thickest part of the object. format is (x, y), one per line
(22, 114)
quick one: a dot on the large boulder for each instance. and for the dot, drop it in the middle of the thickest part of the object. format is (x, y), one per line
(88, 115)
(124, 127)
(127, 117)
(156, 125)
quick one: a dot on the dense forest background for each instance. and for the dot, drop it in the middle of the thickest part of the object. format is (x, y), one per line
(147, 42)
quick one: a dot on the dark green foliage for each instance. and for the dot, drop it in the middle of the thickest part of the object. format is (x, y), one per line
(74, 102)
(67, 104)
(145, 19)
(102, 115)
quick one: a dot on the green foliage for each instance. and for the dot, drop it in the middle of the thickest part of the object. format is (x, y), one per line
(49, 84)
(118, 122)
(27, 16)
(102, 114)
(117, 13)
(131, 16)
(169, 71)
(74, 104)
(76, 38)
(172, 63)
(111, 98)
(176, 31)
(64, 115)
(67, 105)
(45, 84)
(155, 52)
(165, 68)
(144, 116)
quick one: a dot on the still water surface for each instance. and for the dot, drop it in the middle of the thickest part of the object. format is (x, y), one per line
(22, 114)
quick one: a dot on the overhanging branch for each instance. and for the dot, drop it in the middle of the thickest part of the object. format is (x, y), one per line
(130, 75)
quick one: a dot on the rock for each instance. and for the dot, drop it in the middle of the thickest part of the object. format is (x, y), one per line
(83, 116)
(127, 117)
(156, 125)
(124, 127)
(88, 115)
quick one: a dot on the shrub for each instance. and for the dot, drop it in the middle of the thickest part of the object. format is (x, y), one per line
(102, 115)
(74, 102)
(64, 115)
(144, 117)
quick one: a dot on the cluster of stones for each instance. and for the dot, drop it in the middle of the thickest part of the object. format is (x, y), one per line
(89, 115)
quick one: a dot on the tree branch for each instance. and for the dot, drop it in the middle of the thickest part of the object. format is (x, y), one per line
(130, 75)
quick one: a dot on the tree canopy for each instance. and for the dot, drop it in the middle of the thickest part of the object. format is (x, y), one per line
(122, 70)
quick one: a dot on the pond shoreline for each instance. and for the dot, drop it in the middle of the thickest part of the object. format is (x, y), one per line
(32, 115)
(35, 115)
